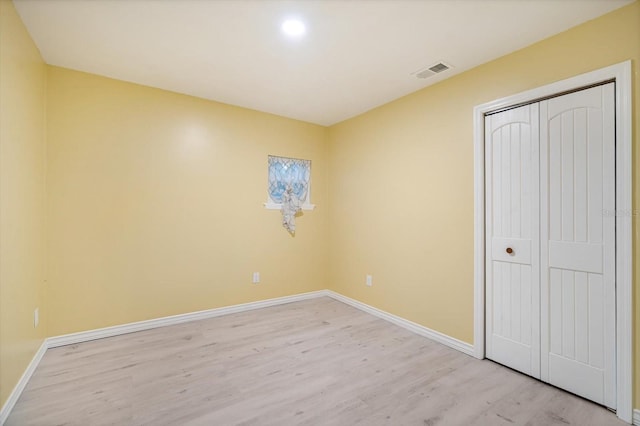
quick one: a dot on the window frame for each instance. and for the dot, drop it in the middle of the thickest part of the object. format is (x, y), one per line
(270, 204)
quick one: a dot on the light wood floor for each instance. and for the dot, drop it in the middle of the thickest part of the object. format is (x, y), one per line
(317, 362)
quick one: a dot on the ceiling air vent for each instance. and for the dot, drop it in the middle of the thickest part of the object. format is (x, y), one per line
(432, 70)
(439, 67)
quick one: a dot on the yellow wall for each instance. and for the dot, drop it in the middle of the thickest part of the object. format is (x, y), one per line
(401, 179)
(155, 204)
(22, 184)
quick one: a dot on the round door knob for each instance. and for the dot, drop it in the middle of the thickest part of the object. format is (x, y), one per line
(509, 250)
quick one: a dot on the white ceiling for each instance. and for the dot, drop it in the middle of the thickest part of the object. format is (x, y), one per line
(356, 54)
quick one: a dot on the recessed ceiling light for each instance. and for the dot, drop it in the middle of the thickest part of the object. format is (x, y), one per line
(293, 27)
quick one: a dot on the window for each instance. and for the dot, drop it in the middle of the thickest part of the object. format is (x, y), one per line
(285, 172)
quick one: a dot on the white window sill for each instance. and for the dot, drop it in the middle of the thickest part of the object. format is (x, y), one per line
(275, 206)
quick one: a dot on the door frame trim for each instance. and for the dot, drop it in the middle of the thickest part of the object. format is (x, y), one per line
(621, 74)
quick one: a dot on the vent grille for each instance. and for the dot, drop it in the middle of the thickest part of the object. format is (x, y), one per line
(432, 70)
(439, 67)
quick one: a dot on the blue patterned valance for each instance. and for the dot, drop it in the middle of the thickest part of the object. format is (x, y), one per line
(285, 172)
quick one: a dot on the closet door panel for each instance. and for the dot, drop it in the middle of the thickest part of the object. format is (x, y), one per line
(577, 145)
(512, 188)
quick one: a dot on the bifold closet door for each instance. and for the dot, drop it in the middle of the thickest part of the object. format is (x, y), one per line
(577, 145)
(550, 232)
(512, 243)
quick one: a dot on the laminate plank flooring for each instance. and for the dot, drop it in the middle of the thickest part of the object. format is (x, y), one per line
(315, 362)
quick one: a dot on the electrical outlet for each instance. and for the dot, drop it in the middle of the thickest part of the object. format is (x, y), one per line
(36, 317)
(369, 281)
(256, 277)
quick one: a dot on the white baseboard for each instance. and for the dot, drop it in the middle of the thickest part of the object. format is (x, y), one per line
(636, 417)
(100, 333)
(454, 343)
(22, 383)
(85, 336)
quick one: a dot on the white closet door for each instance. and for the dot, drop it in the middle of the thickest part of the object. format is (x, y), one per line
(577, 150)
(512, 229)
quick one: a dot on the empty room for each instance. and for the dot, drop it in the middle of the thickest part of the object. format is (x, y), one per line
(319, 212)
